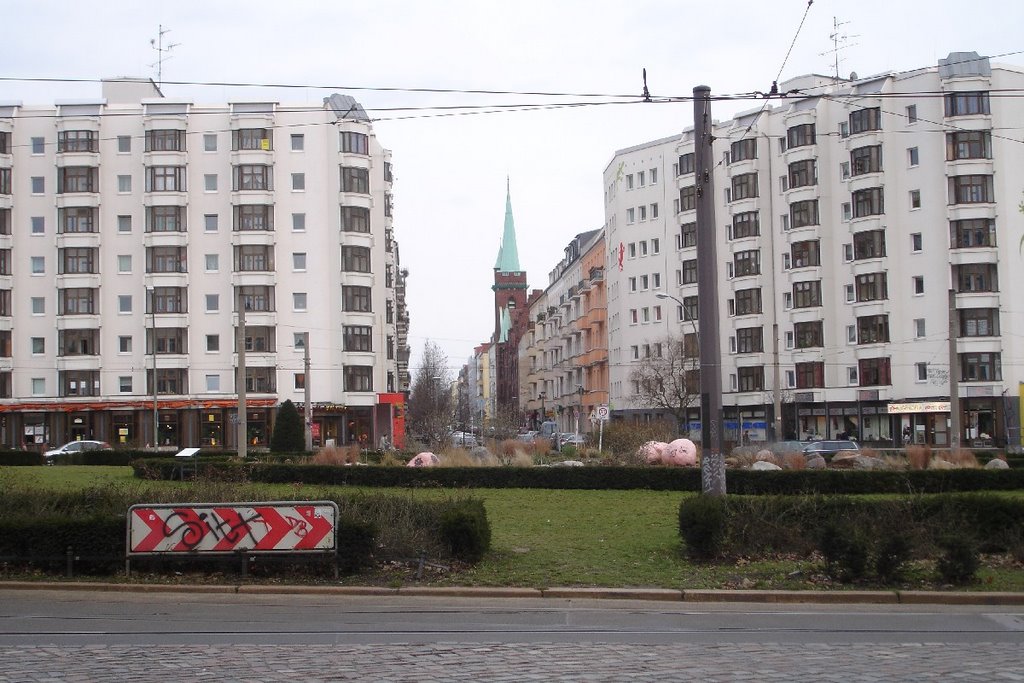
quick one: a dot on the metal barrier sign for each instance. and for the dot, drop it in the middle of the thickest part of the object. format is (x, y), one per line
(277, 527)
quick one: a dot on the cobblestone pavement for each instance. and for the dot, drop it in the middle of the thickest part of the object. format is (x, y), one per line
(515, 662)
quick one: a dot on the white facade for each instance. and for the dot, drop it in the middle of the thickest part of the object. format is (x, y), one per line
(136, 211)
(846, 213)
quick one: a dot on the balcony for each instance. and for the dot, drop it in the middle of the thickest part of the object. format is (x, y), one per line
(596, 316)
(593, 357)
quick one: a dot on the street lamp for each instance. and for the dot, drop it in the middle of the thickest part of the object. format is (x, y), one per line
(543, 413)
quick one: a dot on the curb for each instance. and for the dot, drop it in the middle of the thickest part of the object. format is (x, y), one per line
(555, 593)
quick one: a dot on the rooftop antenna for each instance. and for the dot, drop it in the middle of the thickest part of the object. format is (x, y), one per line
(162, 56)
(839, 43)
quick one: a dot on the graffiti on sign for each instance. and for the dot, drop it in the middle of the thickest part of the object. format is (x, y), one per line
(232, 527)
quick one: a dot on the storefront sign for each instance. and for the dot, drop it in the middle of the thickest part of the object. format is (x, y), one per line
(926, 407)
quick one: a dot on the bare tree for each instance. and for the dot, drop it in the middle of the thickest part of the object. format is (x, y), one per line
(431, 409)
(667, 378)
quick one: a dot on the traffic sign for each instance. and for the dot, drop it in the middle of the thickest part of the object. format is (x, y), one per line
(602, 412)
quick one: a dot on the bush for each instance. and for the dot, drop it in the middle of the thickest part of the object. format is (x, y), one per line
(356, 540)
(289, 434)
(466, 531)
(893, 554)
(20, 458)
(959, 561)
(703, 525)
(845, 550)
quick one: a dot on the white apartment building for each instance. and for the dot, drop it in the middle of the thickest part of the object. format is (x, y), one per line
(134, 226)
(850, 214)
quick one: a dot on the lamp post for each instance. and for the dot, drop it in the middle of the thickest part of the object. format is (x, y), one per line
(151, 292)
(543, 413)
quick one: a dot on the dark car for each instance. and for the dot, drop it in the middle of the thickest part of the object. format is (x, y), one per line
(827, 449)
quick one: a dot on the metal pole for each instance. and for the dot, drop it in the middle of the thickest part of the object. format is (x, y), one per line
(308, 412)
(243, 427)
(712, 459)
(954, 376)
(156, 415)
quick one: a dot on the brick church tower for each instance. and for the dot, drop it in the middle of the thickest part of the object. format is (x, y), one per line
(510, 314)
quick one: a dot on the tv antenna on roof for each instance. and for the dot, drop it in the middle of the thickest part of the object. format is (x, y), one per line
(162, 56)
(839, 43)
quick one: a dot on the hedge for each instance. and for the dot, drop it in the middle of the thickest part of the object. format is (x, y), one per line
(601, 477)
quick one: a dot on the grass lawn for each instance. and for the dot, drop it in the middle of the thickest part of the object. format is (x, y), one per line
(543, 538)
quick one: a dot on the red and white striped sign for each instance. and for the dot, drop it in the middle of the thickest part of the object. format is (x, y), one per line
(231, 527)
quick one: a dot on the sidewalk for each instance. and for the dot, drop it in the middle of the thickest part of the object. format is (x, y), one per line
(894, 597)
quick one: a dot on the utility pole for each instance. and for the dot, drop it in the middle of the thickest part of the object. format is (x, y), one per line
(151, 291)
(243, 427)
(776, 389)
(954, 375)
(712, 460)
(308, 412)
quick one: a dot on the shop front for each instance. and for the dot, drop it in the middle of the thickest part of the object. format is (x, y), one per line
(925, 423)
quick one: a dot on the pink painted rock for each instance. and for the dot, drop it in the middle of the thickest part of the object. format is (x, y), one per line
(681, 453)
(425, 459)
(652, 452)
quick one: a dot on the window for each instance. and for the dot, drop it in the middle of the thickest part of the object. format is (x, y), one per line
(979, 322)
(747, 263)
(643, 248)
(919, 328)
(809, 335)
(632, 284)
(124, 263)
(169, 340)
(124, 384)
(37, 264)
(872, 287)
(254, 258)
(654, 176)
(124, 144)
(165, 179)
(76, 260)
(802, 174)
(913, 159)
(868, 202)
(810, 375)
(976, 277)
(168, 381)
(124, 184)
(656, 245)
(298, 301)
(874, 371)
(168, 300)
(869, 244)
(969, 144)
(915, 199)
(257, 177)
(807, 294)
(354, 143)
(802, 214)
(124, 344)
(749, 340)
(78, 342)
(76, 220)
(631, 249)
(212, 303)
(299, 260)
(77, 141)
(38, 185)
(689, 272)
(806, 253)
(213, 382)
(748, 301)
(971, 189)
(630, 216)
(966, 103)
(38, 345)
(356, 299)
(356, 180)
(916, 242)
(800, 136)
(866, 160)
(166, 260)
(746, 224)
(742, 150)
(252, 139)
(38, 383)
(76, 301)
(864, 120)
(165, 140)
(691, 309)
(912, 113)
(629, 181)
(688, 235)
(976, 232)
(124, 303)
(165, 219)
(787, 300)
(355, 259)
(77, 179)
(688, 198)
(751, 379)
(847, 211)
(38, 145)
(687, 164)
(298, 142)
(918, 284)
(254, 217)
(212, 343)
(355, 219)
(298, 182)
(640, 175)
(209, 142)
(358, 378)
(873, 329)
(124, 223)
(210, 182)
(298, 222)
(981, 367)
(744, 186)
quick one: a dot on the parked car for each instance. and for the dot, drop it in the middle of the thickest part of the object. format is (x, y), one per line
(783, 447)
(467, 439)
(827, 449)
(527, 437)
(72, 447)
(570, 439)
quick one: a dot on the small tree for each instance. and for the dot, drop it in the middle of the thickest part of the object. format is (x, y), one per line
(668, 378)
(288, 436)
(431, 410)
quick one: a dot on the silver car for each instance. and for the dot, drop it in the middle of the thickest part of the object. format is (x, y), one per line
(73, 447)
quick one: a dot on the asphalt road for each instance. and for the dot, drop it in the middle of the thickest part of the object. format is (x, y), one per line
(59, 635)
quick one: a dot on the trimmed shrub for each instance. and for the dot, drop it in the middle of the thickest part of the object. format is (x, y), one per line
(289, 434)
(703, 525)
(959, 561)
(466, 531)
(845, 550)
(356, 540)
(893, 554)
(20, 458)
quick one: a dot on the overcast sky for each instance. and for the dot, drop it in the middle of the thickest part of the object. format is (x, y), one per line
(450, 172)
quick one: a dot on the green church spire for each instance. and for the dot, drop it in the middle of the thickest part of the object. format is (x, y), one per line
(508, 253)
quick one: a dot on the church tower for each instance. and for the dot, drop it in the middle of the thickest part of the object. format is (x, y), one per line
(510, 312)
